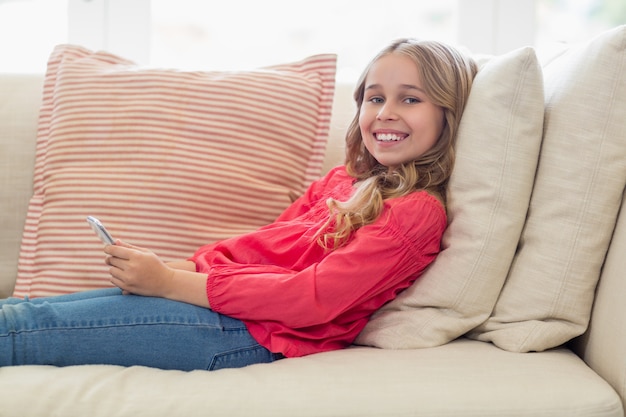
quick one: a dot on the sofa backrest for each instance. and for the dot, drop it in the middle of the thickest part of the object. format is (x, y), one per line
(19, 110)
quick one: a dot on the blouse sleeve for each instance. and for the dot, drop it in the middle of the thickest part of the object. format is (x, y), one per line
(380, 260)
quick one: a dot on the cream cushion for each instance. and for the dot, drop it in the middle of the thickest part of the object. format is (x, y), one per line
(548, 295)
(497, 152)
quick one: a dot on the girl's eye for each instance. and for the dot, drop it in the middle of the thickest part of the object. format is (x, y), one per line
(412, 100)
(376, 100)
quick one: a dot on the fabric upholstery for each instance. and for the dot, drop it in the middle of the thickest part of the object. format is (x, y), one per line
(461, 378)
(548, 295)
(169, 160)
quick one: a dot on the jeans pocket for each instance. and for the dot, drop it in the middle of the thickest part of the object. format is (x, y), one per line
(238, 358)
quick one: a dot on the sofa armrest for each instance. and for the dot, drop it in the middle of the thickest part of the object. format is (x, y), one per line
(602, 347)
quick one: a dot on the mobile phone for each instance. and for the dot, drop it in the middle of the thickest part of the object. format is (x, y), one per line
(100, 230)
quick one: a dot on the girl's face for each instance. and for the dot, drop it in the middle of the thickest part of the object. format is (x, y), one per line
(397, 121)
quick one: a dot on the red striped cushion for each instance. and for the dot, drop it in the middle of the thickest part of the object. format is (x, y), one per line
(166, 159)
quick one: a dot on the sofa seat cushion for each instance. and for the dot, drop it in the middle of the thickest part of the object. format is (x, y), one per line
(464, 377)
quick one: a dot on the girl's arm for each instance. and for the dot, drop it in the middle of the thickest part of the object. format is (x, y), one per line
(182, 265)
(139, 271)
(380, 260)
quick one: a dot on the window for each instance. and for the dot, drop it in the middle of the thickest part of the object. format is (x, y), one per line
(561, 22)
(202, 34)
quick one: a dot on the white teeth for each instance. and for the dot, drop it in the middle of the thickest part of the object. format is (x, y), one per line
(388, 137)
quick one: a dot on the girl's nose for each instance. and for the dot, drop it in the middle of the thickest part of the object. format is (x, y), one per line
(386, 112)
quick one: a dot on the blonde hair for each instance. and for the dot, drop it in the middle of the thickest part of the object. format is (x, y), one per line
(446, 75)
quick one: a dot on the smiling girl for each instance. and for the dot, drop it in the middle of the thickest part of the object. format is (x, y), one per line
(306, 283)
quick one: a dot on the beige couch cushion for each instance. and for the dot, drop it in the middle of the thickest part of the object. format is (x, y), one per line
(169, 160)
(581, 176)
(464, 378)
(497, 152)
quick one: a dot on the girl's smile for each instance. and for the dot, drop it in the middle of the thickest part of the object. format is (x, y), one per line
(389, 136)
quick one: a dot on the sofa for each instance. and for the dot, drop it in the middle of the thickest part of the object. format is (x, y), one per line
(522, 313)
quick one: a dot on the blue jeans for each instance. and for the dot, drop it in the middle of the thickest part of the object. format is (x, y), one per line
(106, 327)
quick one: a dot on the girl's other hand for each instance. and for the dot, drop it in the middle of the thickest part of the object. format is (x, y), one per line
(137, 270)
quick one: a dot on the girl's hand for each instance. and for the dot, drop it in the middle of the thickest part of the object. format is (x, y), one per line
(137, 270)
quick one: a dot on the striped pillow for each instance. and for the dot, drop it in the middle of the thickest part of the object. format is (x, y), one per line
(169, 160)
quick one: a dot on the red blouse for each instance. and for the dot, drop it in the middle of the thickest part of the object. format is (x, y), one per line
(296, 298)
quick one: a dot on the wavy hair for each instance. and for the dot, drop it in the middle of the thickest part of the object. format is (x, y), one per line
(446, 75)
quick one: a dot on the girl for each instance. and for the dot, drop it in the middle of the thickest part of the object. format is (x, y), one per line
(307, 282)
